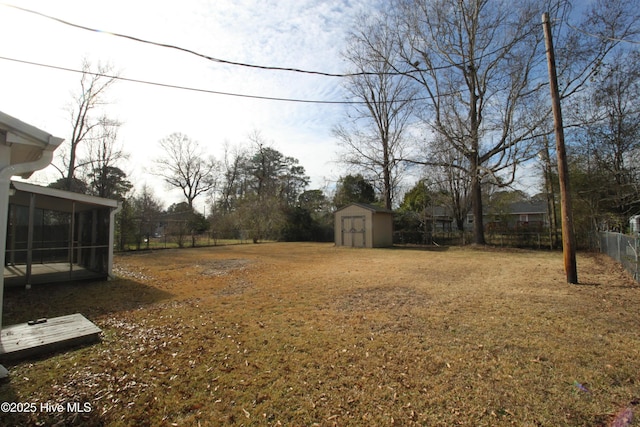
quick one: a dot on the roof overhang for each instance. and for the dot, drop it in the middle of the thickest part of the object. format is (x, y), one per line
(57, 200)
(24, 149)
(27, 146)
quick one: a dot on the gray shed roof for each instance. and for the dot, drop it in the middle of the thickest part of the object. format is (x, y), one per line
(373, 208)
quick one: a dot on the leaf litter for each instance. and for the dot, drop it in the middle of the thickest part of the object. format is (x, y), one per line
(306, 347)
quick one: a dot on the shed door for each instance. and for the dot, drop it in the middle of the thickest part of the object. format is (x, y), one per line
(353, 231)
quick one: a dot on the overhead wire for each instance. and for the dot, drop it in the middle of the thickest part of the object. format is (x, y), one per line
(164, 45)
(278, 68)
(602, 37)
(172, 86)
(256, 66)
(190, 51)
(241, 64)
(193, 89)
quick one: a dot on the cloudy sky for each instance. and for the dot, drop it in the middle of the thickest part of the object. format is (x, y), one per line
(303, 34)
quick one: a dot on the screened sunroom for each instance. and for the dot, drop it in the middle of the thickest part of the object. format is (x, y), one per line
(55, 235)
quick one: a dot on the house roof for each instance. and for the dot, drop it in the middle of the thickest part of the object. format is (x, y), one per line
(528, 208)
(373, 208)
(521, 208)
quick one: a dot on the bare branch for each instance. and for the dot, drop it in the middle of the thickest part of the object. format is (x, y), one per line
(184, 166)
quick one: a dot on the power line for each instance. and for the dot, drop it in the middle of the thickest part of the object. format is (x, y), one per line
(256, 66)
(601, 37)
(182, 49)
(192, 89)
(289, 69)
(172, 86)
(263, 67)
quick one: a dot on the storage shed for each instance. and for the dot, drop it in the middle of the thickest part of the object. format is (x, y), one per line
(363, 226)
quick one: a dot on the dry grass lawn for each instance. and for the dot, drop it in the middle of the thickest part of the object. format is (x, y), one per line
(310, 334)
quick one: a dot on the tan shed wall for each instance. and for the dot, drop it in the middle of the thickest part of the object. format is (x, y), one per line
(378, 230)
(353, 211)
(382, 230)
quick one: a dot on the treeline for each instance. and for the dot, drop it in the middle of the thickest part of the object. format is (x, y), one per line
(254, 194)
(460, 89)
(258, 194)
(452, 93)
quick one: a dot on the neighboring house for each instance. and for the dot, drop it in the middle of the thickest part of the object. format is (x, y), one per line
(441, 219)
(56, 235)
(519, 216)
(419, 227)
(363, 226)
(634, 225)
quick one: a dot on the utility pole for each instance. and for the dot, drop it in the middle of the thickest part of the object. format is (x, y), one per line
(568, 236)
(551, 198)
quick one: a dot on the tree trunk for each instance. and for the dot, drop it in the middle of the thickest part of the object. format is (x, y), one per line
(71, 170)
(386, 175)
(476, 203)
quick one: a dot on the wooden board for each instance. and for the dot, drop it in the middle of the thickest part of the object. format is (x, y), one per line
(24, 340)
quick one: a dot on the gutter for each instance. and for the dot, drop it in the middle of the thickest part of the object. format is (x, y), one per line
(6, 172)
(46, 145)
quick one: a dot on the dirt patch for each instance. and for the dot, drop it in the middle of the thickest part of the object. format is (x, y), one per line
(124, 271)
(221, 267)
(311, 334)
(235, 287)
(385, 298)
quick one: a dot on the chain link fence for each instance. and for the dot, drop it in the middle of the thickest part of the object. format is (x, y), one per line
(622, 248)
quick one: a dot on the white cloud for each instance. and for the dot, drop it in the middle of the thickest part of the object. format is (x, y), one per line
(306, 34)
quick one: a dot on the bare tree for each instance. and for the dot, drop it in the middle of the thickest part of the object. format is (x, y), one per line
(449, 171)
(234, 159)
(147, 214)
(475, 61)
(374, 141)
(608, 139)
(614, 123)
(85, 115)
(582, 47)
(105, 178)
(185, 166)
(270, 183)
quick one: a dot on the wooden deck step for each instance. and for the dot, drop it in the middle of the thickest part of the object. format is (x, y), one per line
(25, 340)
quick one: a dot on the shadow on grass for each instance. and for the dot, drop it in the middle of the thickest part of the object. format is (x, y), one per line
(589, 284)
(9, 396)
(424, 248)
(89, 298)
(20, 411)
